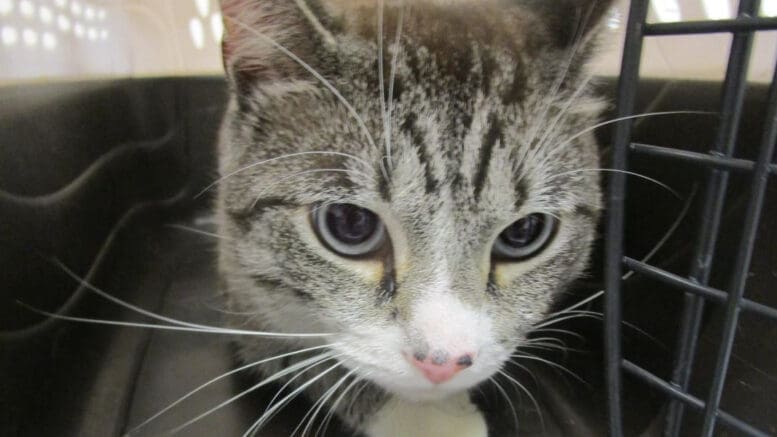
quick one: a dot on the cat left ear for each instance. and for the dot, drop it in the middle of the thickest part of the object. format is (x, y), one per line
(260, 34)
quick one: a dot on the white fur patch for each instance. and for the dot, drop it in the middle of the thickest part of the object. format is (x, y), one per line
(452, 417)
(446, 323)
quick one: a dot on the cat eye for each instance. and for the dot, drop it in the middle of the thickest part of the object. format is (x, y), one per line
(525, 238)
(347, 229)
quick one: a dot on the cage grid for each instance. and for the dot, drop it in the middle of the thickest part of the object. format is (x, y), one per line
(719, 163)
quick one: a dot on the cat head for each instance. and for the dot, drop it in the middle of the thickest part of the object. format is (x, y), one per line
(429, 216)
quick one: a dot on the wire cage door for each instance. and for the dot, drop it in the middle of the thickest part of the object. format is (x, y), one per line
(719, 163)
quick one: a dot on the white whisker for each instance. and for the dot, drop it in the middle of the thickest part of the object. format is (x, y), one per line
(382, 85)
(664, 239)
(550, 363)
(279, 158)
(613, 170)
(312, 71)
(507, 398)
(321, 402)
(262, 420)
(618, 120)
(219, 378)
(198, 232)
(556, 87)
(317, 359)
(528, 393)
(333, 407)
(205, 330)
(195, 327)
(392, 79)
(561, 331)
(303, 173)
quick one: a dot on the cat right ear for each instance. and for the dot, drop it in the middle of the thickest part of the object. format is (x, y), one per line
(570, 20)
(260, 35)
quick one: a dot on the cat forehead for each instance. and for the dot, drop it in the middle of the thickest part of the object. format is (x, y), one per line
(443, 26)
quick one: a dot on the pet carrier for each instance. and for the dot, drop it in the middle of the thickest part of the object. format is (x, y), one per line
(102, 175)
(720, 162)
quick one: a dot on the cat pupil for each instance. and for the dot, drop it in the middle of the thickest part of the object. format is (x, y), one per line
(351, 224)
(524, 231)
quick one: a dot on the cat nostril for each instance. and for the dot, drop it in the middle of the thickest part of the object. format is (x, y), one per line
(465, 360)
(419, 356)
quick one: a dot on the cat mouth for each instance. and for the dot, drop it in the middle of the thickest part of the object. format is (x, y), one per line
(411, 384)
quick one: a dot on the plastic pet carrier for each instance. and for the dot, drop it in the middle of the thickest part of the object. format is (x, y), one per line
(98, 193)
(726, 332)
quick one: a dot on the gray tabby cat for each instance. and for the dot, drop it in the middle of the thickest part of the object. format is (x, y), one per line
(411, 183)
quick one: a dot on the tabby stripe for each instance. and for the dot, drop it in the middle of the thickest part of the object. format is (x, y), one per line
(410, 127)
(493, 135)
(388, 285)
(245, 217)
(275, 285)
(587, 212)
(384, 184)
(491, 287)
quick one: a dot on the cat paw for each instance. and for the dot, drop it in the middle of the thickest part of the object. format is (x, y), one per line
(452, 417)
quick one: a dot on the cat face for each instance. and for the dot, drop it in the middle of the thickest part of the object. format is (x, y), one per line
(428, 220)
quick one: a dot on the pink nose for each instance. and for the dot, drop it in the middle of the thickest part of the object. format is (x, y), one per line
(437, 368)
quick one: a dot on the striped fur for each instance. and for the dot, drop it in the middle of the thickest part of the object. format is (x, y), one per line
(485, 98)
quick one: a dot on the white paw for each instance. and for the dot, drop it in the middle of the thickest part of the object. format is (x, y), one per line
(452, 417)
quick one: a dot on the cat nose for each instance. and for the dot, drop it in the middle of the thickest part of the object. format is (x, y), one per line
(438, 366)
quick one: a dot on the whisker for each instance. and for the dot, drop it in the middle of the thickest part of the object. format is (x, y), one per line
(323, 400)
(570, 316)
(624, 118)
(507, 398)
(317, 359)
(306, 172)
(664, 239)
(615, 170)
(262, 420)
(196, 327)
(333, 407)
(357, 394)
(565, 110)
(291, 381)
(312, 71)
(392, 79)
(382, 85)
(560, 78)
(215, 331)
(217, 379)
(552, 364)
(528, 393)
(560, 331)
(279, 158)
(198, 231)
(311, 16)
(525, 369)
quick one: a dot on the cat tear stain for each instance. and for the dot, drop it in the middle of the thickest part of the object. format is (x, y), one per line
(388, 285)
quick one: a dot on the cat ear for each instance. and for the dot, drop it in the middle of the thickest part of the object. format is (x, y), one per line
(262, 37)
(570, 21)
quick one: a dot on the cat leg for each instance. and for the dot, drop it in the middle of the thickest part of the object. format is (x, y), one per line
(451, 417)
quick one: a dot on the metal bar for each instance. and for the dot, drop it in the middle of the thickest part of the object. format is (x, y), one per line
(627, 90)
(692, 401)
(717, 182)
(702, 290)
(740, 165)
(741, 24)
(743, 258)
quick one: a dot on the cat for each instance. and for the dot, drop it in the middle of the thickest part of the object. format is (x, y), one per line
(405, 191)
